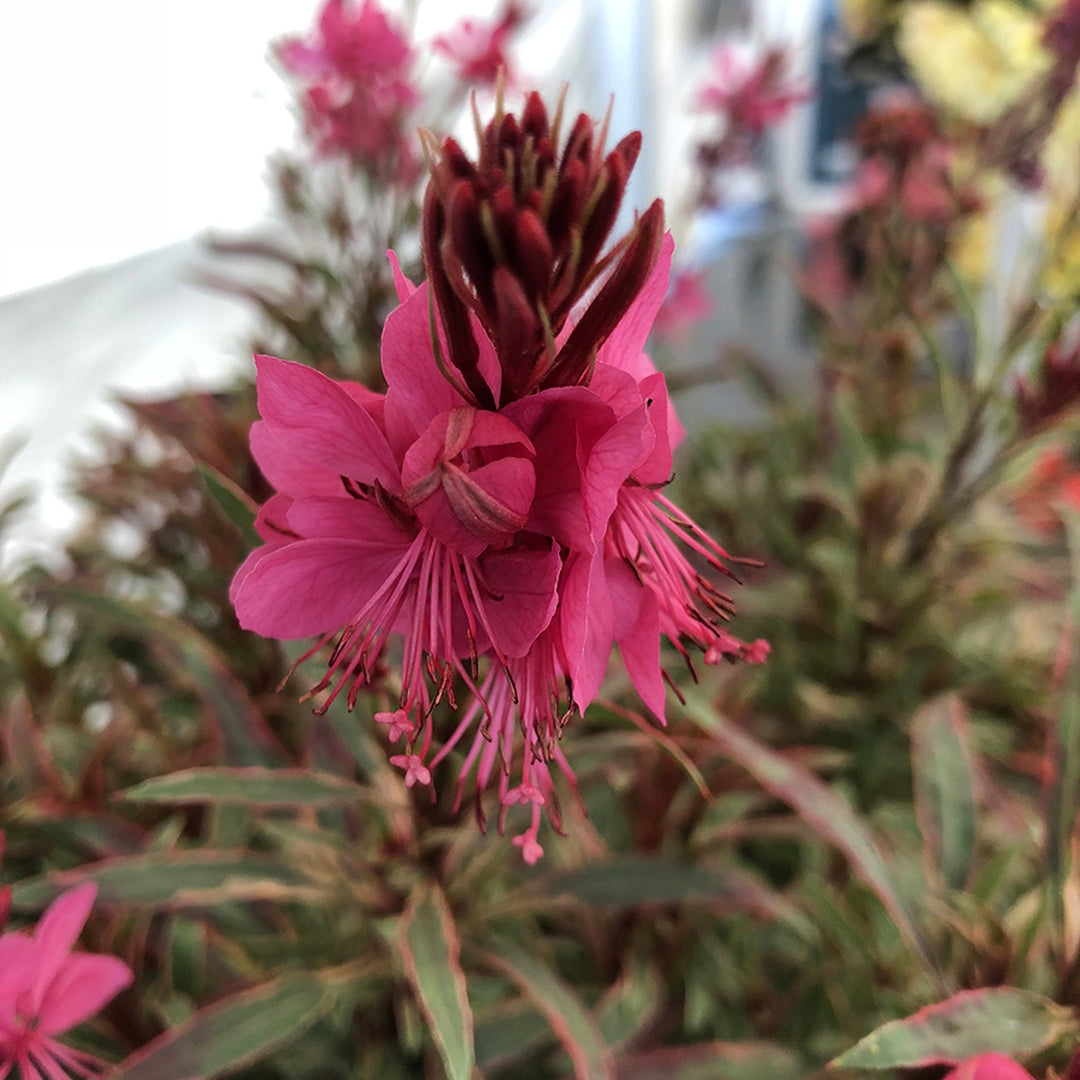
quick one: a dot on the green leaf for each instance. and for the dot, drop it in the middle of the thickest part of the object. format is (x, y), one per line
(830, 816)
(945, 788)
(431, 952)
(1063, 791)
(252, 785)
(232, 500)
(630, 880)
(173, 879)
(233, 1033)
(246, 738)
(569, 1019)
(714, 1061)
(1008, 1021)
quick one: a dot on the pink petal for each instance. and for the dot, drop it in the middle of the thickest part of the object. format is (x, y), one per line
(637, 630)
(348, 519)
(272, 520)
(57, 933)
(627, 341)
(587, 624)
(525, 584)
(17, 968)
(564, 425)
(405, 288)
(315, 419)
(288, 473)
(609, 465)
(656, 466)
(416, 392)
(81, 988)
(309, 586)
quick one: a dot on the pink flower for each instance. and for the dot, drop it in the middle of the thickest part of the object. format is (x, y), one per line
(357, 88)
(751, 97)
(498, 511)
(988, 1066)
(478, 50)
(686, 304)
(46, 988)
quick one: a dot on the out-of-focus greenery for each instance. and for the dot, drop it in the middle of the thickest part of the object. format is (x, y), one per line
(880, 819)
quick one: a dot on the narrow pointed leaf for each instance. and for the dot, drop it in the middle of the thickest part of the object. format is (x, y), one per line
(233, 1033)
(569, 1019)
(173, 879)
(830, 816)
(1002, 1019)
(944, 789)
(253, 785)
(431, 952)
(233, 502)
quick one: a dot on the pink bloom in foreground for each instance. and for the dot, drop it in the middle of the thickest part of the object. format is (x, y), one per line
(479, 50)
(989, 1066)
(495, 522)
(46, 988)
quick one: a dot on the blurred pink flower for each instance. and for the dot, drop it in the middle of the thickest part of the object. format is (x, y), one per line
(751, 97)
(361, 46)
(357, 87)
(988, 1066)
(478, 49)
(686, 304)
(46, 988)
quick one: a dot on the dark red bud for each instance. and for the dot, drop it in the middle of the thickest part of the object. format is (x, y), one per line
(611, 303)
(516, 330)
(579, 143)
(567, 202)
(628, 149)
(535, 253)
(534, 119)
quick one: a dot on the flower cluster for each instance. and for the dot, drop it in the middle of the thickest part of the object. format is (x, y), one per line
(500, 508)
(904, 207)
(46, 988)
(357, 87)
(478, 50)
(746, 98)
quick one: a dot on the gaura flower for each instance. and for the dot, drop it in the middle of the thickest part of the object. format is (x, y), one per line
(497, 513)
(357, 87)
(46, 988)
(478, 50)
(751, 97)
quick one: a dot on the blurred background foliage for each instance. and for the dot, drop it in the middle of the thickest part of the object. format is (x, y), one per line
(879, 820)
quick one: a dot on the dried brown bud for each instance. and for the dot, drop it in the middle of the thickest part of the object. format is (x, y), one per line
(517, 237)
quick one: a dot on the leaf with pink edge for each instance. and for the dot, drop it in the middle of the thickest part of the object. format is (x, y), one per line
(237, 1031)
(431, 952)
(569, 1019)
(1002, 1019)
(830, 816)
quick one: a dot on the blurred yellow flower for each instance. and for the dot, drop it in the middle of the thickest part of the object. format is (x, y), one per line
(1061, 155)
(1061, 275)
(864, 18)
(975, 62)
